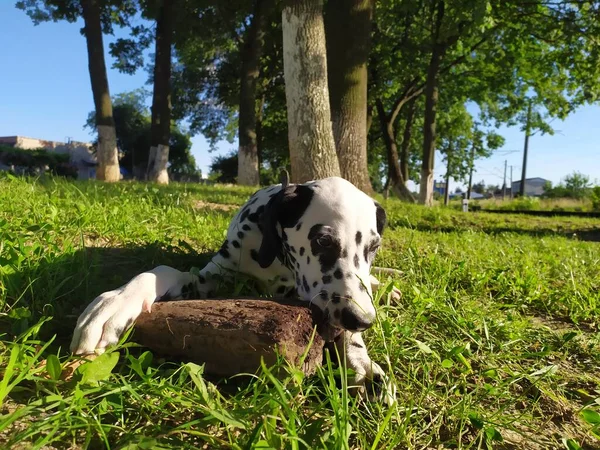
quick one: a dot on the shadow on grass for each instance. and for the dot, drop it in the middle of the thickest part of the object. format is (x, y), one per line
(62, 287)
(588, 234)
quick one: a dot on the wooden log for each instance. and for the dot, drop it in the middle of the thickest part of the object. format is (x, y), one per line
(230, 336)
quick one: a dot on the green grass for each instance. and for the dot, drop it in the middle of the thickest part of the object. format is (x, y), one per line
(494, 344)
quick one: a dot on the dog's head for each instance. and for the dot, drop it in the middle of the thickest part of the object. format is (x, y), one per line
(327, 232)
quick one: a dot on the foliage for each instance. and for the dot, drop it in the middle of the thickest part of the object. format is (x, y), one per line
(132, 123)
(224, 168)
(34, 160)
(490, 314)
(575, 185)
(595, 196)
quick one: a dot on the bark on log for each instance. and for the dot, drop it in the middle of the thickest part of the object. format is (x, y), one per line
(231, 335)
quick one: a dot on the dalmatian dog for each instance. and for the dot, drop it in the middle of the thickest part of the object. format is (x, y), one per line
(316, 240)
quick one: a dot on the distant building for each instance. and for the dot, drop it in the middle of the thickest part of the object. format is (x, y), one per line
(534, 187)
(439, 187)
(474, 195)
(80, 153)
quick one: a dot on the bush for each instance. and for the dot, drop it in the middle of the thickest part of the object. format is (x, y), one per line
(32, 161)
(595, 195)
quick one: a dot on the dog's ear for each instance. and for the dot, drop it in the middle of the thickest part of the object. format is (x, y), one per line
(381, 217)
(286, 208)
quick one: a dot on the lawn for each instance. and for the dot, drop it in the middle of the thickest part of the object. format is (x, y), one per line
(495, 342)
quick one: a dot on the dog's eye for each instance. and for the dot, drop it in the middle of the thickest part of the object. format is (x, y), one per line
(325, 241)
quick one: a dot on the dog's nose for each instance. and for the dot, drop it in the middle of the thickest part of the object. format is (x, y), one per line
(353, 322)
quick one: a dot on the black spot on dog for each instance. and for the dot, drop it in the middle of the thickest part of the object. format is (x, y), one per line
(308, 260)
(326, 279)
(298, 226)
(324, 295)
(356, 261)
(305, 284)
(366, 253)
(362, 287)
(201, 279)
(336, 298)
(345, 253)
(356, 344)
(297, 265)
(338, 274)
(302, 250)
(315, 284)
(381, 217)
(236, 244)
(240, 234)
(246, 227)
(253, 217)
(324, 246)
(358, 237)
(281, 289)
(284, 236)
(351, 322)
(253, 201)
(297, 280)
(293, 249)
(167, 297)
(254, 254)
(223, 251)
(244, 215)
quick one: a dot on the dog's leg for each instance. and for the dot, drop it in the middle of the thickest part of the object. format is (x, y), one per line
(376, 284)
(111, 313)
(369, 380)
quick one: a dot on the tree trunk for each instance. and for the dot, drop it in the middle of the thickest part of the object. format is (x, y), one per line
(348, 38)
(248, 161)
(431, 101)
(396, 181)
(406, 137)
(312, 148)
(429, 129)
(107, 153)
(161, 98)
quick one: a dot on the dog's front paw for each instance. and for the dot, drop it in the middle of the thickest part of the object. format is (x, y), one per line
(374, 385)
(105, 319)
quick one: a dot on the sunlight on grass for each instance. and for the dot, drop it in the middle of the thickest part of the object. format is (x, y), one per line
(495, 342)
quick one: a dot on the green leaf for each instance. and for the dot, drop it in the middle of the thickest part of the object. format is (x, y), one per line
(571, 444)
(590, 416)
(447, 363)
(476, 421)
(492, 434)
(423, 347)
(53, 367)
(99, 369)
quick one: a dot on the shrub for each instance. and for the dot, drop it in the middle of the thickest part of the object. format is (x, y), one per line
(37, 159)
(595, 195)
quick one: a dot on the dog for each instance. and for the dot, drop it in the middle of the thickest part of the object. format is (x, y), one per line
(316, 240)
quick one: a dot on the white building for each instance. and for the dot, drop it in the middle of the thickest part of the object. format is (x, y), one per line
(534, 187)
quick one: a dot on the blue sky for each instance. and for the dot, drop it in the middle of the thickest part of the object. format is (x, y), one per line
(45, 93)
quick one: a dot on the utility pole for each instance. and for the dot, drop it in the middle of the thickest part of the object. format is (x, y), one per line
(471, 173)
(511, 182)
(527, 130)
(504, 185)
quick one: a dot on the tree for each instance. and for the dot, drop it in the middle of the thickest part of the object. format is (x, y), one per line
(133, 126)
(161, 99)
(311, 144)
(98, 16)
(107, 153)
(348, 36)
(251, 52)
